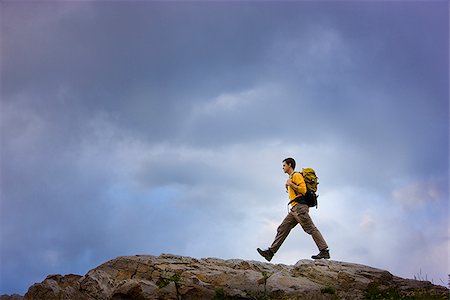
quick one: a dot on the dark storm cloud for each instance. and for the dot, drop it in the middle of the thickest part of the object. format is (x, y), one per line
(149, 64)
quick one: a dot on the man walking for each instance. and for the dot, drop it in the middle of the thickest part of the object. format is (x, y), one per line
(298, 214)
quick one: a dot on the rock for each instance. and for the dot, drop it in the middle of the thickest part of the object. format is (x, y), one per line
(177, 277)
(11, 297)
(56, 287)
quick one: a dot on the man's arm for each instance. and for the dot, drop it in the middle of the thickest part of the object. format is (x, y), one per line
(297, 183)
(293, 186)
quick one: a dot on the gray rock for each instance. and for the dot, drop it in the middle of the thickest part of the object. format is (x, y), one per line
(177, 277)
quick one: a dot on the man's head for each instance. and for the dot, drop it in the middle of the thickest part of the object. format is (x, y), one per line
(288, 165)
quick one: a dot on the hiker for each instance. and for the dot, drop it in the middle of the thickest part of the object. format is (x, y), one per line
(298, 214)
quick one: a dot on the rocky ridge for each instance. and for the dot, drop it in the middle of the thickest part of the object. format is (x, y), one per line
(176, 277)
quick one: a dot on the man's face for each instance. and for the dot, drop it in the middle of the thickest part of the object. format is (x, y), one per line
(286, 168)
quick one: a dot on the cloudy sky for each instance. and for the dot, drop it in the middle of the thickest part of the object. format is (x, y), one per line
(147, 127)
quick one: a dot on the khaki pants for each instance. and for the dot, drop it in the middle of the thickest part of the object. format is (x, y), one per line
(299, 214)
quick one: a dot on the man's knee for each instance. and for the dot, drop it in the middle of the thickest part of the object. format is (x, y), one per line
(280, 228)
(309, 229)
(284, 227)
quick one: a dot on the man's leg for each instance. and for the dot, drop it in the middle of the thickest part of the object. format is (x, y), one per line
(301, 213)
(283, 231)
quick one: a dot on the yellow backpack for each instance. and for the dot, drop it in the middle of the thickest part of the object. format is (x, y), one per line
(311, 181)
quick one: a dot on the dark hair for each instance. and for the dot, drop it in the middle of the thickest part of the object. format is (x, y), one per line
(290, 161)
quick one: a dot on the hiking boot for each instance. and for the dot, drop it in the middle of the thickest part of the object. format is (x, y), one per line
(322, 254)
(267, 254)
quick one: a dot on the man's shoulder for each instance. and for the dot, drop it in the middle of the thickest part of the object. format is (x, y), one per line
(297, 176)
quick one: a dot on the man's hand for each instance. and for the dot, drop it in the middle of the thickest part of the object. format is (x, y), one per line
(293, 186)
(289, 182)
